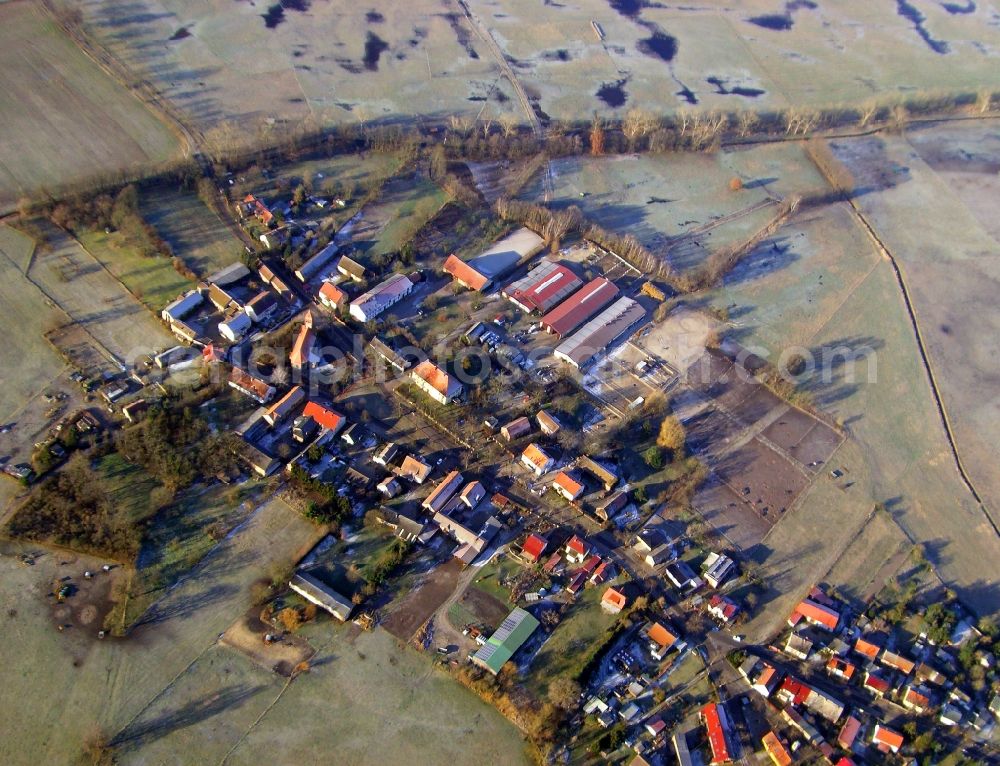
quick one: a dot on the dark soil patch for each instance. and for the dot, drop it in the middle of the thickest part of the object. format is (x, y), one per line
(420, 603)
(374, 17)
(723, 89)
(181, 33)
(462, 35)
(627, 8)
(912, 14)
(688, 95)
(374, 47)
(776, 22)
(559, 55)
(613, 93)
(957, 10)
(659, 45)
(275, 15)
(488, 609)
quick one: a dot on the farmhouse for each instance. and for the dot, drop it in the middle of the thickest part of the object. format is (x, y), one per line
(262, 306)
(332, 297)
(382, 351)
(132, 410)
(385, 294)
(816, 614)
(221, 299)
(536, 460)
(542, 288)
(235, 327)
(311, 268)
(443, 492)
(325, 418)
(516, 428)
(580, 307)
(229, 275)
(567, 486)
(303, 353)
(480, 272)
(547, 423)
(414, 469)
(183, 306)
(258, 390)
(261, 463)
(322, 595)
(509, 637)
(603, 474)
(593, 339)
(284, 407)
(253, 206)
(389, 487)
(435, 382)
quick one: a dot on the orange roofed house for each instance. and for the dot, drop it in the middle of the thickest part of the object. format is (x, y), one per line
(660, 639)
(435, 382)
(815, 613)
(324, 417)
(332, 296)
(776, 749)
(567, 486)
(302, 353)
(887, 740)
(536, 460)
(613, 601)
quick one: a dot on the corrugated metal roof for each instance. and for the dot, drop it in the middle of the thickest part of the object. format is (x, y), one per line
(580, 306)
(508, 638)
(600, 332)
(543, 287)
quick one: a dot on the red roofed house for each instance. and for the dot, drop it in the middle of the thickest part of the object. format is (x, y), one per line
(435, 382)
(655, 726)
(613, 601)
(716, 723)
(775, 748)
(576, 550)
(845, 761)
(282, 408)
(464, 274)
(536, 460)
(258, 390)
(722, 608)
(818, 614)
(325, 418)
(879, 686)
(516, 428)
(849, 732)
(915, 699)
(533, 548)
(605, 571)
(332, 296)
(552, 564)
(580, 307)
(302, 353)
(544, 286)
(567, 486)
(577, 583)
(886, 739)
(660, 640)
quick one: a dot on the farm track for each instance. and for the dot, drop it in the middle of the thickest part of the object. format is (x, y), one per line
(926, 364)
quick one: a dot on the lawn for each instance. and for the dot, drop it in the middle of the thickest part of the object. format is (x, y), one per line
(583, 628)
(194, 232)
(492, 576)
(153, 280)
(28, 362)
(346, 564)
(64, 119)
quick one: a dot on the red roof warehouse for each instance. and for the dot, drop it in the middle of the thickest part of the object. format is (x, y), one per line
(543, 287)
(715, 721)
(580, 307)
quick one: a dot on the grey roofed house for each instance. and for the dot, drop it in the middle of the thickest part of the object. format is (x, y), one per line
(648, 539)
(609, 507)
(322, 595)
(311, 268)
(383, 351)
(661, 554)
(386, 453)
(681, 575)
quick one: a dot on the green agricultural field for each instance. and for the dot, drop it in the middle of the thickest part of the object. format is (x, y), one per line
(151, 279)
(194, 232)
(28, 362)
(64, 119)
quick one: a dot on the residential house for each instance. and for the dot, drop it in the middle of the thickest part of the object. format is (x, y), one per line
(381, 351)
(613, 601)
(258, 390)
(262, 306)
(722, 608)
(840, 668)
(577, 550)
(762, 676)
(325, 418)
(798, 646)
(611, 506)
(536, 459)
(599, 471)
(656, 727)
(516, 428)
(648, 539)
(849, 732)
(916, 699)
(443, 492)
(868, 649)
(897, 662)
(389, 487)
(351, 268)
(473, 494)
(776, 749)
(414, 469)
(303, 428)
(385, 454)
(681, 575)
(547, 423)
(354, 434)
(713, 716)
(605, 571)
(660, 555)
(284, 407)
(567, 486)
(815, 613)
(925, 673)
(332, 297)
(886, 740)
(435, 382)
(718, 568)
(876, 684)
(534, 548)
(660, 639)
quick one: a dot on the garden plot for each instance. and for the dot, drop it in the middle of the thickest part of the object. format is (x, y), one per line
(28, 362)
(64, 119)
(195, 233)
(92, 297)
